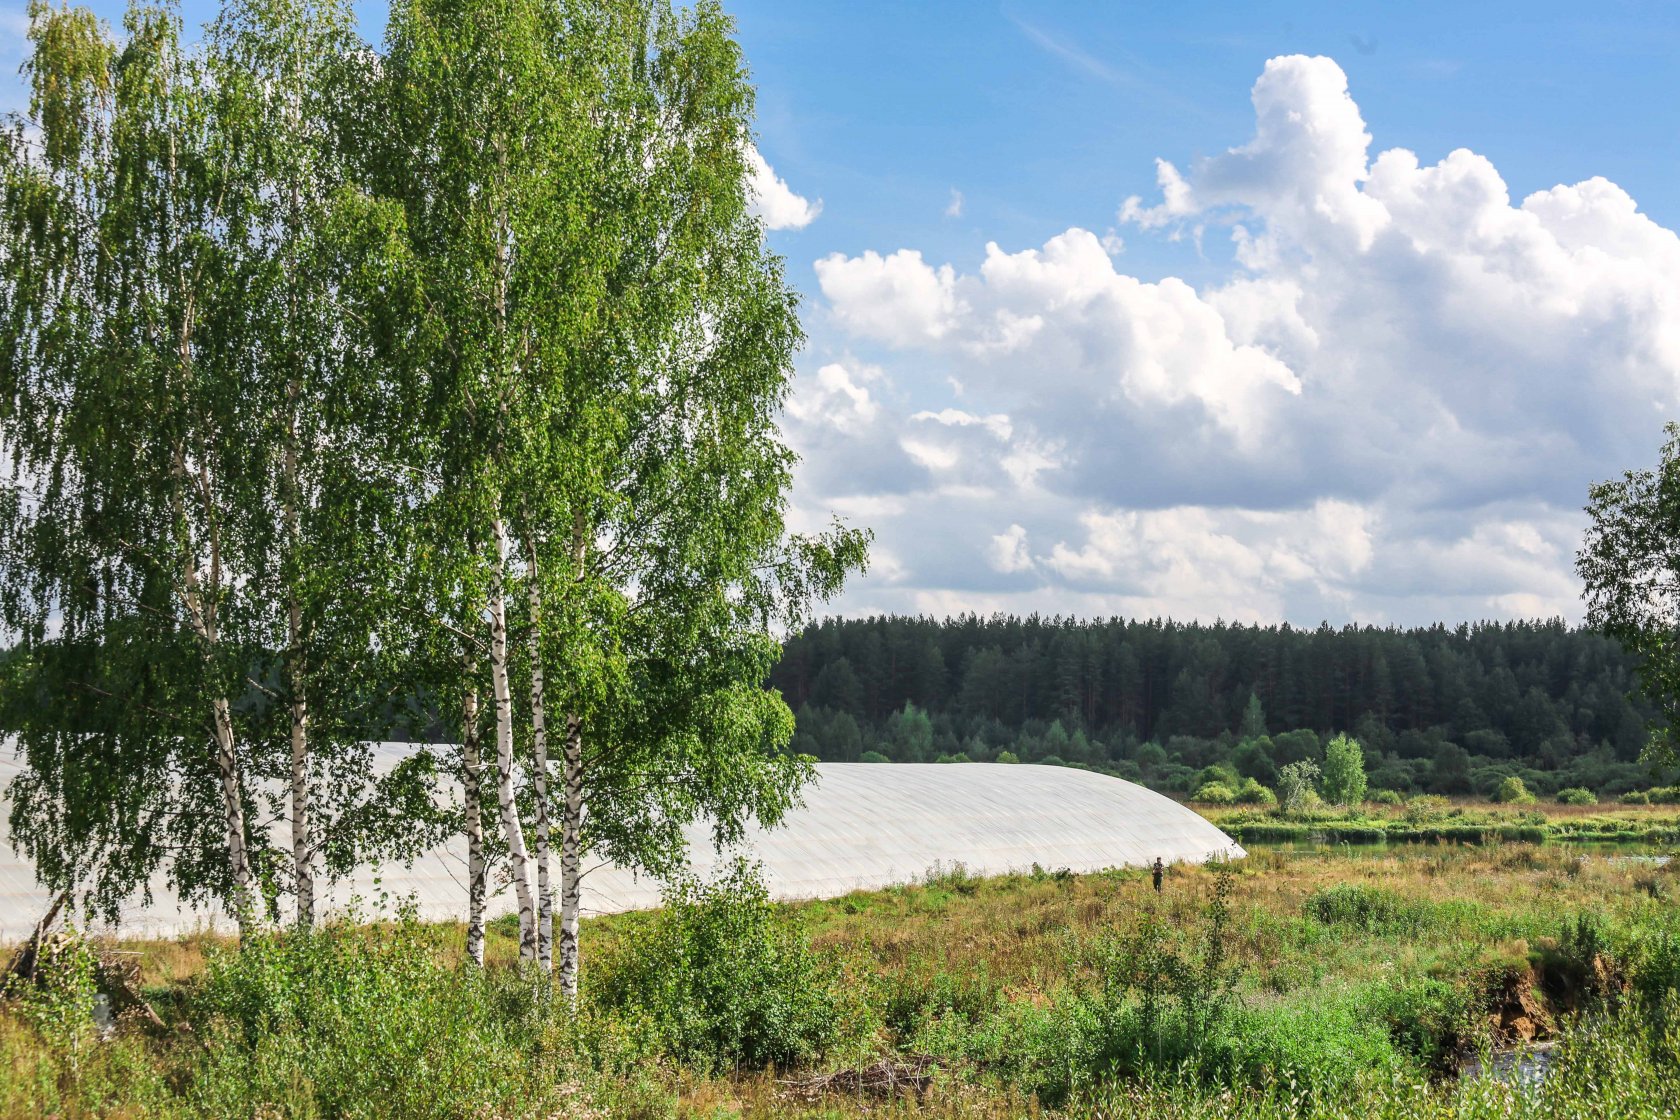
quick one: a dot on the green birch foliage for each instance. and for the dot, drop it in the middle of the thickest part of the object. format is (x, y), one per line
(1630, 564)
(127, 443)
(323, 265)
(666, 474)
(194, 289)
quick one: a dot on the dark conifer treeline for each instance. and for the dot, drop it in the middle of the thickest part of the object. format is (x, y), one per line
(1449, 710)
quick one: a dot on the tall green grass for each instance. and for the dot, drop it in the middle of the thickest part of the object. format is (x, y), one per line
(1268, 989)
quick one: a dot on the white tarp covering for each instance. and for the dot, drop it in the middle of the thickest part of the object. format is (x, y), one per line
(861, 826)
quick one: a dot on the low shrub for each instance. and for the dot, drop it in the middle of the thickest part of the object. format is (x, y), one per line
(1577, 795)
(961, 997)
(724, 978)
(1427, 1017)
(1295, 787)
(1387, 797)
(1427, 806)
(364, 1021)
(1580, 966)
(1635, 797)
(953, 876)
(58, 1000)
(1665, 795)
(1251, 792)
(1216, 793)
(1656, 965)
(1512, 791)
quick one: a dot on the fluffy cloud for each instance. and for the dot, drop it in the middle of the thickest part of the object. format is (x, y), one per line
(1390, 408)
(898, 299)
(773, 201)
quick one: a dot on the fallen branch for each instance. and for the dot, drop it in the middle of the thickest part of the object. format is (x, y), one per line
(884, 1078)
(22, 964)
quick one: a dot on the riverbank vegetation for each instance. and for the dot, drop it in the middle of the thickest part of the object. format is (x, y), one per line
(1433, 820)
(1285, 984)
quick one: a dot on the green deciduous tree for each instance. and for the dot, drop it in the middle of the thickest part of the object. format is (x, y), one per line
(669, 552)
(613, 344)
(197, 508)
(1630, 564)
(122, 417)
(1343, 781)
(1295, 786)
(1253, 724)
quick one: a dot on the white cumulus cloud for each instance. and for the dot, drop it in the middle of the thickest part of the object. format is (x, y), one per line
(1389, 408)
(773, 200)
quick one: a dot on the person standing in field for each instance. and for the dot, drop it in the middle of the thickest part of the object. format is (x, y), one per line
(1157, 872)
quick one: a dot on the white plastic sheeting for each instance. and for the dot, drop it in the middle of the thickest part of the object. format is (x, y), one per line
(861, 826)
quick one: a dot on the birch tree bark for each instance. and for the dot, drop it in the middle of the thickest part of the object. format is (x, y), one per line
(571, 857)
(303, 850)
(513, 831)
(472, 793)
(539, 766)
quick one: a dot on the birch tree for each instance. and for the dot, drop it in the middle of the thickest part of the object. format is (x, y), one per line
(485, 124)
(668, 553)
(121, 414)
(201, 435)
(314, 253)
(1628, 562)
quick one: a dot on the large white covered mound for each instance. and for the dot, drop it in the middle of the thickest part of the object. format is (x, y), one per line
(861, 826)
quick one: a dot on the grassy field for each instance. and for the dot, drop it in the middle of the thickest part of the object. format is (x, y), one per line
(1435, 820)
(1287, 984)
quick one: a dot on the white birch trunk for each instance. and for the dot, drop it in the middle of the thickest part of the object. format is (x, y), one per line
(201, 613)
(233, 814)
(303, 849)
(472, 792)
(513, 832)
(571, 857)
(539, 762)
(571, 822)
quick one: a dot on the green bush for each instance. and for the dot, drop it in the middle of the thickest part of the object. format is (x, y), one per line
(724, 978)
(1008, 757)
(874, 756)
(1512, 791)
(59, 999)
(1371, 909)
(1387, 797)
(365, 1021)
(1427, 1017)
(1635, 797)
(1295, 786)
(1582, 963)
(1656, 970)
(1577, 795)
(1216, 793)
(1665, 795)
(1251, 792)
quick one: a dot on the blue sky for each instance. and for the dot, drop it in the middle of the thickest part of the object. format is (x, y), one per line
(1406, 284)
(1046, 115)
